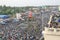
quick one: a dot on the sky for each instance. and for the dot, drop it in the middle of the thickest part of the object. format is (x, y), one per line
(20, 3)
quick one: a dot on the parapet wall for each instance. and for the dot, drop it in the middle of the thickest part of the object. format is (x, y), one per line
(52, 34)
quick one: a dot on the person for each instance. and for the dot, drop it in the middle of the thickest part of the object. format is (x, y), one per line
(50, 20)
(59, 20)
(4, 38)
(30, 16)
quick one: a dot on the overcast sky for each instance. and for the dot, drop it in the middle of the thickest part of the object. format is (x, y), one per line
(29, 2)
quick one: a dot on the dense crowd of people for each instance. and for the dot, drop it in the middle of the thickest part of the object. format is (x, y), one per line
(13, 31)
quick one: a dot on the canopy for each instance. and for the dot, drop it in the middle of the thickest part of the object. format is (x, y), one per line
(4, 16)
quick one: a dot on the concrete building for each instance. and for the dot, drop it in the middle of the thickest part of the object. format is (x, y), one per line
(52, 34)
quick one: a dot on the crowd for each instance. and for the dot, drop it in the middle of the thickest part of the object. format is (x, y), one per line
(14, 30)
